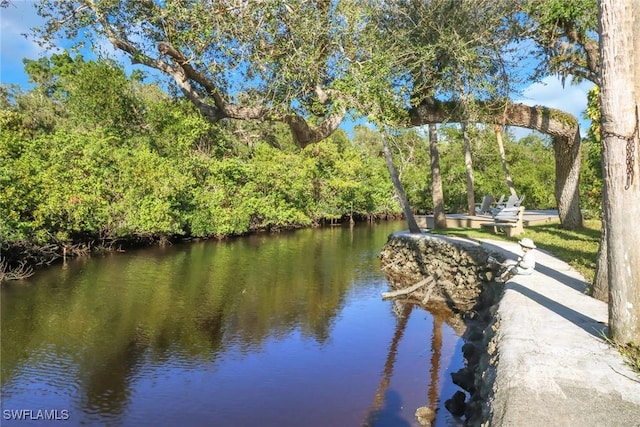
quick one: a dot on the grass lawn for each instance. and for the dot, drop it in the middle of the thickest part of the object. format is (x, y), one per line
(579, 248)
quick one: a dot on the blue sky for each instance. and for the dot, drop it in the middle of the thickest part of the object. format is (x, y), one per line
(14, 20)
(21, 15)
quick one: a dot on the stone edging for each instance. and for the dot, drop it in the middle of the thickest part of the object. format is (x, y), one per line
(464, 282)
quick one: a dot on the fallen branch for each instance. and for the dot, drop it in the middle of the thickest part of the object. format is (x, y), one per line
(427, 280)
(427, 293)
(620, 373)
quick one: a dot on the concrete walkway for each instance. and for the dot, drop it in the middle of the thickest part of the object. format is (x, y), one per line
(554, 366)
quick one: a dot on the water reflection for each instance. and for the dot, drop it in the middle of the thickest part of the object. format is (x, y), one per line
(390, 413)
(264, 330)
(383, 394)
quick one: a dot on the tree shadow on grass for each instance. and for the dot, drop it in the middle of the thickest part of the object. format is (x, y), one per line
(586, 234)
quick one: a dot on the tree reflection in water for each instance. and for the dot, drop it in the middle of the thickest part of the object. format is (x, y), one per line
(402, 312)
(119, 339)
(387, 401)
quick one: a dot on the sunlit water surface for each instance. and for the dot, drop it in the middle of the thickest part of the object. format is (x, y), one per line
(269, 330)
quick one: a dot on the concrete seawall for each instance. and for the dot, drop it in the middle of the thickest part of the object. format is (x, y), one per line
(553, 365)
(546, 360)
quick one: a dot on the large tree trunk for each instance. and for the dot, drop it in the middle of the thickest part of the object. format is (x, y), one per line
(404, 202)
(468, 166)
(561, 126)
(567, 183)
(620, 102)
(503, 159)
(437, 195)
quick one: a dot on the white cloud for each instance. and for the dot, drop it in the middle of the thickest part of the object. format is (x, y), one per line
(15, 21)
(550, 93)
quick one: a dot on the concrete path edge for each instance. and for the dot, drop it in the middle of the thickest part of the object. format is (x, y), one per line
(551, 363)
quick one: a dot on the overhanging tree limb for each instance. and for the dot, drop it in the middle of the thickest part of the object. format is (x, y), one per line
(263, 33)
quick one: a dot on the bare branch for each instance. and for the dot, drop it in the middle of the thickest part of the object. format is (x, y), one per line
(20, 272)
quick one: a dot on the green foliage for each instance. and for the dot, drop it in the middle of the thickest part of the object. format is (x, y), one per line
(442, 48)
(100, 95)
(121, 159)
(631, 352)
(21, 192)
(275, 58)
(532, 166)
(565, 35)
(581, 13)
(593, 113)
(530, 161)
(591, 170)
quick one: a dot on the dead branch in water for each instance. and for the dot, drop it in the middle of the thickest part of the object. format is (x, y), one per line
(429, 281)
(427, 293)
(21, 271)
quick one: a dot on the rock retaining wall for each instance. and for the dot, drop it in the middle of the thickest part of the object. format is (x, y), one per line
(464, 282)
(459, 267)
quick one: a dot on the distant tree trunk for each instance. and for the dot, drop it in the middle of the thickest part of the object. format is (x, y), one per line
(437, 195)
(404, 202)
(567, 157)
(620, 135)
(561, 126)
(503, 158)
(468, 165)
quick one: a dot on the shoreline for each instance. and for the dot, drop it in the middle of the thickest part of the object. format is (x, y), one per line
(26, 258)
(544, 358)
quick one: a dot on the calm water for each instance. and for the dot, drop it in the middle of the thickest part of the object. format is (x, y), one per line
(268, 330)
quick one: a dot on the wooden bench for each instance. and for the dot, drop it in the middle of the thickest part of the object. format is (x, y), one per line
(509, 220)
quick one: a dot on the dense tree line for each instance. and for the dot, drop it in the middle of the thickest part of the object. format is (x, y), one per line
(91, 154)
(308, 65)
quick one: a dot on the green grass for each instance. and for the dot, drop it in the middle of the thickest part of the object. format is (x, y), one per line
(631, 353)
(579, 248)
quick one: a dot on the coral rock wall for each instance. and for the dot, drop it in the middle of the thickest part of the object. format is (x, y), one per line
(459, 267)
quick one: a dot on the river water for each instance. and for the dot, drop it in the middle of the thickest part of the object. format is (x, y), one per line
(267, 330)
